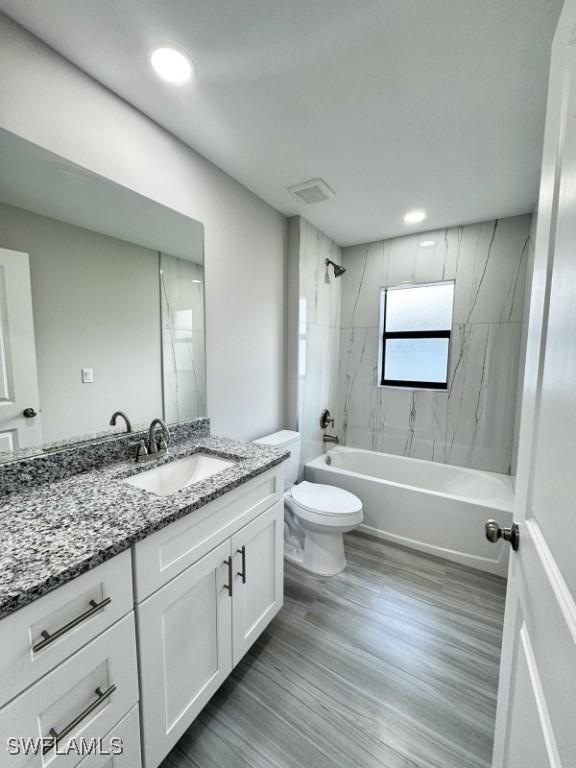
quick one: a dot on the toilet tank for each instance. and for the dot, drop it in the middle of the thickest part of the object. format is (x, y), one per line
(291, 441)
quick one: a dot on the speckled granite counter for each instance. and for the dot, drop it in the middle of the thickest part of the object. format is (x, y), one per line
(52, 533)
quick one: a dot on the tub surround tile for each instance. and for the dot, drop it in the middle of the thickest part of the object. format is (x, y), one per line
(319, 335)
(57, 461)
(472, 424)
(55, 531)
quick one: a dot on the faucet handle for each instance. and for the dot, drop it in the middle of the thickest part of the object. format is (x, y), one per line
(141, 451)
(326, 419)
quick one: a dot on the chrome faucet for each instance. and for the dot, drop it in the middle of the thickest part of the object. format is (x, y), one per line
(330, 439)
(122, 415)
(155, 448)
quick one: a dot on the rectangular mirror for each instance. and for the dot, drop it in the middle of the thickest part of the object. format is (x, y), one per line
(101, 305)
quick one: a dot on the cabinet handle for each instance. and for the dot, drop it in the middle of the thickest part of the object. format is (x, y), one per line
(49, 638)
(57, 736)
(242, 573)
(228, 586)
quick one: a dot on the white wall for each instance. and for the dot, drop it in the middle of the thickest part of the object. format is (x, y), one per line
(95, 302)
(46, 100)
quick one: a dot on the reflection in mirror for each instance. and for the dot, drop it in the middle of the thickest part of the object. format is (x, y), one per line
(101, 305)
(183, 349)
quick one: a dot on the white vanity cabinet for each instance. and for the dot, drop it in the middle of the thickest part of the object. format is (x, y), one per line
(68, 669)
(81, 665)
(198, 625)
(258, 553)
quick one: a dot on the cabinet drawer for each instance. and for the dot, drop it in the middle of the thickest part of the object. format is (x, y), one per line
(71, 617)
(165, 554)
(125, 736)
(84, 698)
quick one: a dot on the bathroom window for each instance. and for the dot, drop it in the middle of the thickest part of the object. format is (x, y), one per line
(416, 323)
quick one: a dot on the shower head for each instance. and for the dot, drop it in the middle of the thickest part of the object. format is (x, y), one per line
(338, 270)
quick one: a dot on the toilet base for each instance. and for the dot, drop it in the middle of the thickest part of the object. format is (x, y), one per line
(322, 555)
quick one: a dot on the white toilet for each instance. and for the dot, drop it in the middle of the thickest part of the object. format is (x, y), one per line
(316, 516)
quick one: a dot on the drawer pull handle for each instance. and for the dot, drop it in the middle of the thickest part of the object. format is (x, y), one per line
(49, 638)
(228, 586)
(242, 573)
(58, 736)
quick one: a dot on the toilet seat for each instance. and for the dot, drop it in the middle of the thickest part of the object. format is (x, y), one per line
(325, 504)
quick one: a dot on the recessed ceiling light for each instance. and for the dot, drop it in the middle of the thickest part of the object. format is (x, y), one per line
(427, 243)
(171, 65)
(414, 217)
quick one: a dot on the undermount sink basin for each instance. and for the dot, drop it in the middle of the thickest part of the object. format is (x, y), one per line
(179, 474)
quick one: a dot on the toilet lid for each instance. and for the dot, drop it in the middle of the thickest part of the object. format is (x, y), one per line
(325, 499)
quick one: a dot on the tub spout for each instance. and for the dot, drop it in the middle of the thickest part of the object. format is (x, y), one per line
(330, 439)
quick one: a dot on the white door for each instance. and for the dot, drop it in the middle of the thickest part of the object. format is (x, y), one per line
(18, 377)
(536, 719)
(258, 550)
(185, 641)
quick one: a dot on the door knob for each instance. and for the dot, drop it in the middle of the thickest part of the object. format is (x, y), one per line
(29, 413)
(494, 532)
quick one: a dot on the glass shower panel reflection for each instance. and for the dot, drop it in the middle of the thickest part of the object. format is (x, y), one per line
(183, 348)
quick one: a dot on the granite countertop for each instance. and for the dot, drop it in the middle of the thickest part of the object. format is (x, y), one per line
(54, 532)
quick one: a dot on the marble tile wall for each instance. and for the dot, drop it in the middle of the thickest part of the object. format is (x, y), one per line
(318, 335)
(183, 347)
(473, 423)
(523, 339)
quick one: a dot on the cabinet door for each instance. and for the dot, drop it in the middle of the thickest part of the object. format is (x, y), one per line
(184, 635)
(258, 551)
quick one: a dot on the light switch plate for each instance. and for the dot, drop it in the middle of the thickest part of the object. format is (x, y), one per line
(87, 375)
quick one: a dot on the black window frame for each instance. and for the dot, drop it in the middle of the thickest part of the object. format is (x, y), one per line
(430, 334)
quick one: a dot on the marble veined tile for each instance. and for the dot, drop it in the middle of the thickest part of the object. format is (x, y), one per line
(318, 388)
(322, 298)
(471, 424)
(487, 261)
(491, 271)
(319, 335)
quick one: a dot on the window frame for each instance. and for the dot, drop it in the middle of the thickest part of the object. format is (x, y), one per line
(384, 336)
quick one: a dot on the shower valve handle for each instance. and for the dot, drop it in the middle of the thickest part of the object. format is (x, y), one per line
(325, 419)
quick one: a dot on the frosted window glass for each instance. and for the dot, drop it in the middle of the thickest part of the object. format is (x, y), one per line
(416, 360)
(419, 308)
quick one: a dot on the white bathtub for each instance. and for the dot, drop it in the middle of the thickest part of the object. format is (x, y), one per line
(435, 508)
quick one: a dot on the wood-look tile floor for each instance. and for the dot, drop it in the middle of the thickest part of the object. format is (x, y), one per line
(393, 663)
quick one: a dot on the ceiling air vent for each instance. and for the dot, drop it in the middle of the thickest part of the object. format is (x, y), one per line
(312, 191)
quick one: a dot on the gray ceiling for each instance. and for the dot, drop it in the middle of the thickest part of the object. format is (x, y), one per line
(397, 104)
